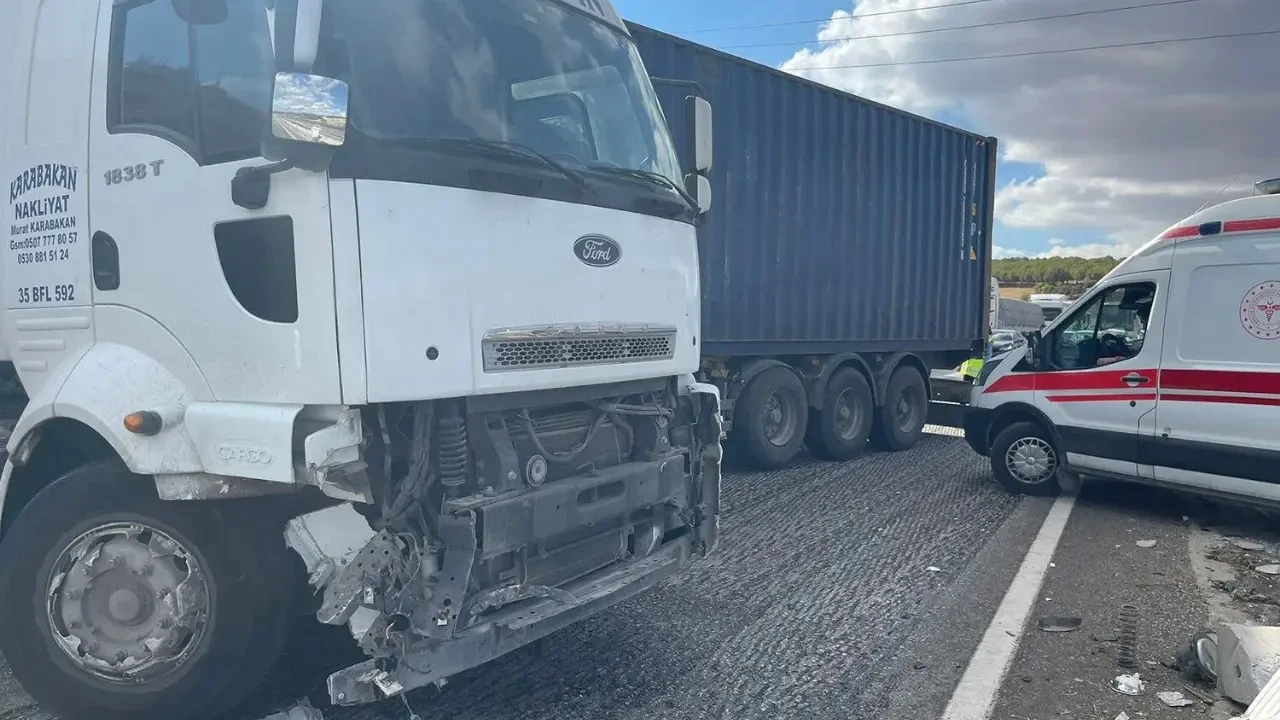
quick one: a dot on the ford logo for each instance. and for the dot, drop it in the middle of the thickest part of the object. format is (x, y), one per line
(597, 250)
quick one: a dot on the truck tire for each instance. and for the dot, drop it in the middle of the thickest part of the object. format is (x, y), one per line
(901, 419)
(1025, 461)
(100, 576)
(839, 431)
(770, 419)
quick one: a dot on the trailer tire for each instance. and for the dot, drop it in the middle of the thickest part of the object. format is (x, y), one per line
(901, 419)
(1019, 450)
(839, 431)
(98, 549)
(770, 419)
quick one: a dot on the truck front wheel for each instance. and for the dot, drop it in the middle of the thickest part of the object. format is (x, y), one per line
(770, 418)
(121, 605)
(840, 429)
(906, 407)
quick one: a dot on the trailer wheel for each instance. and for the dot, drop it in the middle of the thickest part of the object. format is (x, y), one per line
(771, 417)
(900, 422)
(122, 605)
(1025, 461)
(839, 431)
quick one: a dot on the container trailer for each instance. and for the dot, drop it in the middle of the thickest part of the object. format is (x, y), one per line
(848, 256)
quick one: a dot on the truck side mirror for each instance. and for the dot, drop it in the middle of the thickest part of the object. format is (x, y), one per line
(700, 188)
(309, 109)
(306, 39)
(698, 112)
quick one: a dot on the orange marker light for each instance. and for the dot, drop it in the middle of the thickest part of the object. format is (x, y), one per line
(144, 422)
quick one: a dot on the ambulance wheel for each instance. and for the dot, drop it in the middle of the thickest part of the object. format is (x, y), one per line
(906, 407)
(1025, 461)
(770, 418)
(840, 429)
(124, 606)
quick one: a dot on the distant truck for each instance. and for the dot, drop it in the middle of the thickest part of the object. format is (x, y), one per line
(1052, 304)
(1012, 314)
(849, 254)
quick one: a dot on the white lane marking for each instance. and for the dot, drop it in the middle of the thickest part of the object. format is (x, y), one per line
(975, 695)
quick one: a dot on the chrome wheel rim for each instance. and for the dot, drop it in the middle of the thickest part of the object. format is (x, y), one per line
(127, 603)
(1031, 460)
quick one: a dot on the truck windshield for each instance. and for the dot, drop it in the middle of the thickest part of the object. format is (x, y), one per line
(437, 76)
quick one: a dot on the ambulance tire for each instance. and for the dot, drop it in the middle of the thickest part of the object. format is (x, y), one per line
(1025, 461)
(98, 505)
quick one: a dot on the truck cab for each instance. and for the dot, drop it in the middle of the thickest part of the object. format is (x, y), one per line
(1166, 372)
(400, 299)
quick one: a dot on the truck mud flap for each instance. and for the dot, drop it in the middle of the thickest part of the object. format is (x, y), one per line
(508, 629)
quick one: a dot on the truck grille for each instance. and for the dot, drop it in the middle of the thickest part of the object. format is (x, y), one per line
(561, 346)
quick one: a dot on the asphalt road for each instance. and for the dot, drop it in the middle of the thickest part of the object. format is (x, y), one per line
(819, 604)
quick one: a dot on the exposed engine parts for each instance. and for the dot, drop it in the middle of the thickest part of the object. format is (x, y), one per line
(504, 502)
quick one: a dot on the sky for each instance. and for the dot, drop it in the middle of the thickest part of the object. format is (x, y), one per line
(1100, 150)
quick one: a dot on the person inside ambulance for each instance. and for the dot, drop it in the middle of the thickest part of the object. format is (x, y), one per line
(1124, 339)
(1111, 328)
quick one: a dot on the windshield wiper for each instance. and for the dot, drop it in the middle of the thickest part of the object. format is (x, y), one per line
(652, 178)
(503, 148)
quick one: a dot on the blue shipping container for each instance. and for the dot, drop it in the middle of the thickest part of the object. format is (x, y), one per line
(838, 224)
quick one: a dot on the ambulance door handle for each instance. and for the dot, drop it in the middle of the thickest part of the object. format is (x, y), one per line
(1134, 379)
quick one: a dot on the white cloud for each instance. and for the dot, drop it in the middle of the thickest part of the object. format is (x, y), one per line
(1131, 140)
(1002, 253)
(1059, 248)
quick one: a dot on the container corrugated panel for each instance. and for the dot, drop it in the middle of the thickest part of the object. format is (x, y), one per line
(838, 224)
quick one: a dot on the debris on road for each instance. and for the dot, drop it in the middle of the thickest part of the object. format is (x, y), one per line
(302, 710)
(1266, 706)
(1248, 545)
(1127, 645)
(1248, 657)
(1060, 624)
(1122, 716)
(1271, 569)
(1146, 543)
(1129, 684)
(1174, 699)
(933, 569)
(1198, 659)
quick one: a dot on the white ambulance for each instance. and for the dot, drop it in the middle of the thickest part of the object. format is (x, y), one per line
(1167, 372)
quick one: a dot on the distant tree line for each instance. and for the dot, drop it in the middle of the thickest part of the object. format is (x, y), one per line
(1075, 273)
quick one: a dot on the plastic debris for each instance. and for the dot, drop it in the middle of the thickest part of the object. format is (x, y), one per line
(300, 711)
(1266, 706)
(1272, 569)
(1059, 624)
(1146, 543)
(1129, 684)
(1174, 699)
(1249, 545)
(1123, 716)
(933, 569)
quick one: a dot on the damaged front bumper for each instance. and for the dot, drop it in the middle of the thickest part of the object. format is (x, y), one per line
(429, 661)
(559, 532)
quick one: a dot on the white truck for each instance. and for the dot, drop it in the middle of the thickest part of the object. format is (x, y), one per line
(400, 299)
(1052, 304)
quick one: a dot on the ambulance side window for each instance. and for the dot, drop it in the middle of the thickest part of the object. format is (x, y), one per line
(1110, 329)
(204, 87)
